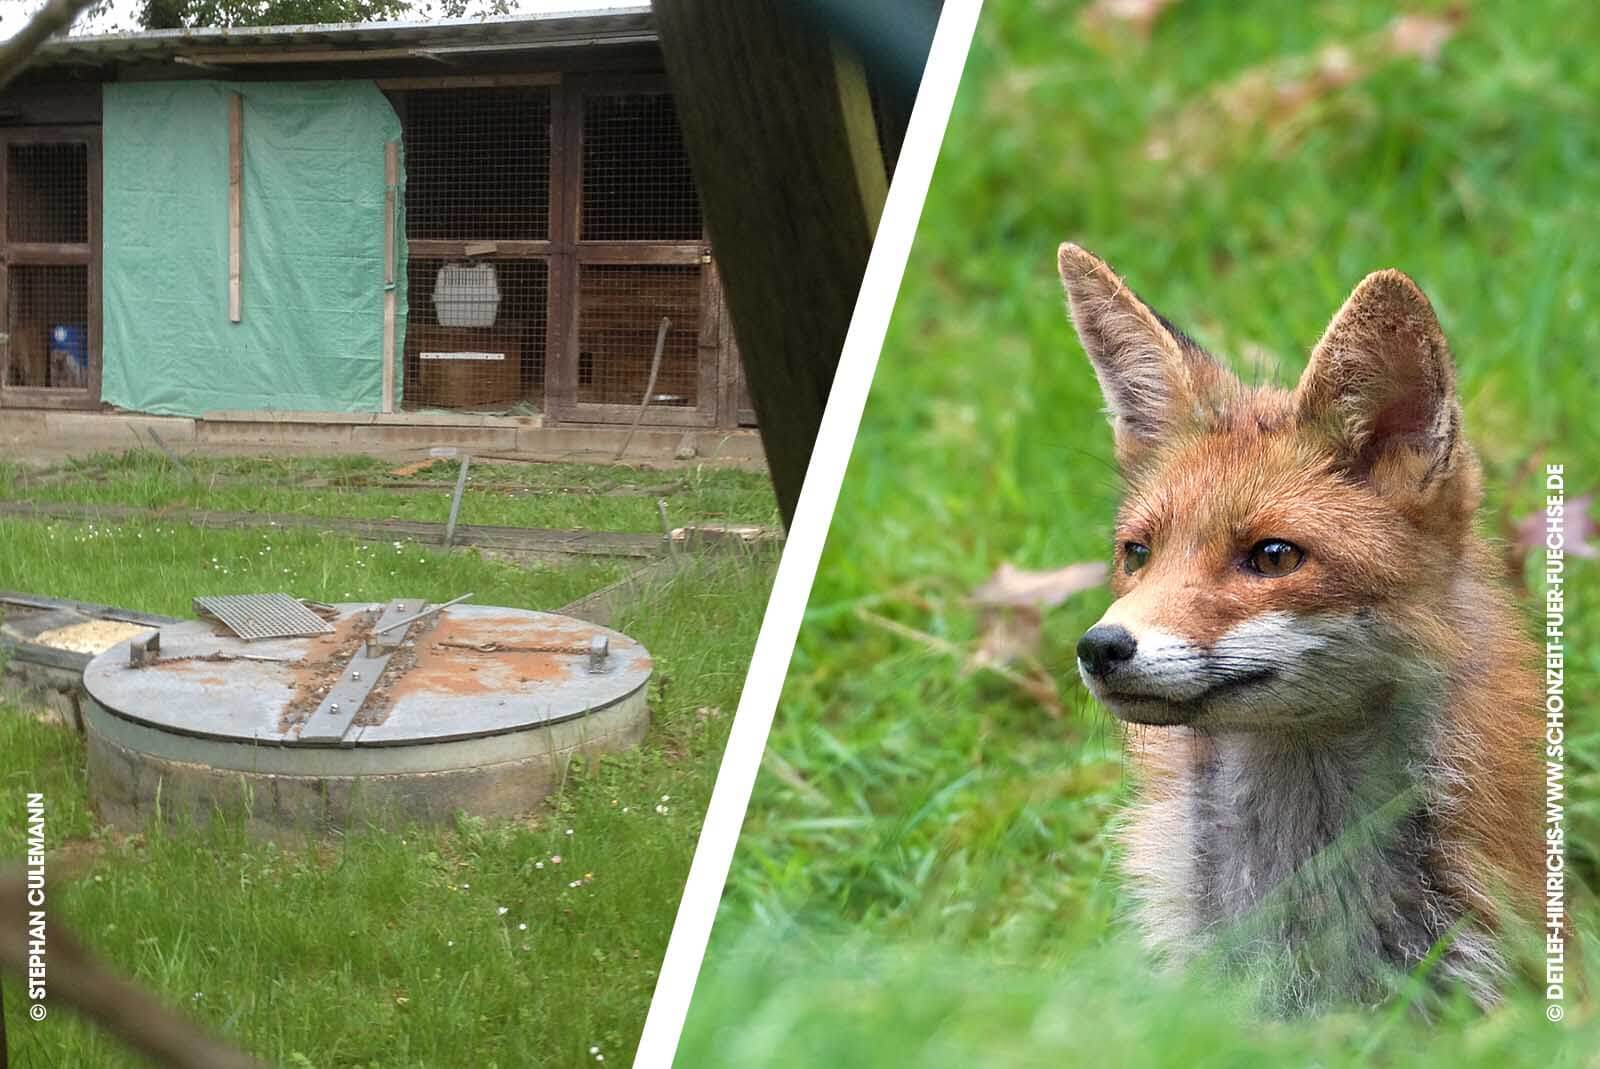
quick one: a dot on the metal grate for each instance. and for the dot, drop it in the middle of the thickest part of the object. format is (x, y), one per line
(47, 326)
(619, 312)
(637, 185)
(256, 616)
(477, 194)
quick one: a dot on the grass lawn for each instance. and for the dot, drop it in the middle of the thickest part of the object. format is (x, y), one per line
(520, 495)
(925, 876)
(494, 944)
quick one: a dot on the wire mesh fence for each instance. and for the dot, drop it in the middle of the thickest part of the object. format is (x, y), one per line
(620, 308)
(637, 185)
(478, 219)
(476, 342)
(47, 192)
(47, 329)
(47, 304)
(494, 270)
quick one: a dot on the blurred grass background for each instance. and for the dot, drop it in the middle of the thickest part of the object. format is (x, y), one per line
(925, 874)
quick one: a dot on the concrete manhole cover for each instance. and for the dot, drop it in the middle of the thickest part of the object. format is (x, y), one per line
(389, 717)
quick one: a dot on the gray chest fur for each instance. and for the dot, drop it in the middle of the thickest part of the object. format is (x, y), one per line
(1313, 866)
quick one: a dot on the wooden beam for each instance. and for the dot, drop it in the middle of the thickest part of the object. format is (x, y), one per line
(640, 252)
(49, 252)
(235, 203)
(437, 249)
(391, 182)
(228, 57)
(471, 81)
(791, 183)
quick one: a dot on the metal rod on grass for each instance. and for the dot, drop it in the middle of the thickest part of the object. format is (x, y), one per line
(455, 502)
(424, 613)
(650, 386)
(666, 528)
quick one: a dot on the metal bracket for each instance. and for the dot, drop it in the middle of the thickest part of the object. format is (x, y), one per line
(599, 650)
(332, 720)
(144, 649)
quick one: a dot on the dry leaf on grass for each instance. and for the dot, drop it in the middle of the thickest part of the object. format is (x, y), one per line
(1036, 683)
(1580, 529)
(1273, 94)
(1102, 16)
(1013, 587)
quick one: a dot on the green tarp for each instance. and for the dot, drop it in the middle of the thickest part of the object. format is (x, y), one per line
(312, 279)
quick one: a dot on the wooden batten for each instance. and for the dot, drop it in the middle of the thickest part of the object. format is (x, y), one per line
(391, 180)
(235, 204)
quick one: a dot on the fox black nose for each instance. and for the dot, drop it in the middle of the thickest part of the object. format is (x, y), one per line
(1104, 647)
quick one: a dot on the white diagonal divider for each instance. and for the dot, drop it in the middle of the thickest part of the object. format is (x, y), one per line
(747, 738)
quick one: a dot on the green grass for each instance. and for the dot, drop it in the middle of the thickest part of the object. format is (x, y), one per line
(520, 495)
(925, 876)
(385, 948)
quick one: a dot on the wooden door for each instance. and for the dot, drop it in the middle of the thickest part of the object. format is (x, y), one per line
(629, 251)
(50, 267)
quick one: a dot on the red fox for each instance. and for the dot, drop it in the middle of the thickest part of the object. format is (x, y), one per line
(1335, 712)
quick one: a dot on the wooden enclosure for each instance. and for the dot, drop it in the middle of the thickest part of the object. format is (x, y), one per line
(576, 190)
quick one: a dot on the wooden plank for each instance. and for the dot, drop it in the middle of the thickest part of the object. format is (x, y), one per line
(641, 252)
(434, 249)
(561, 360)
(391, 184)
(96, 272)
(235, 204)
(472, 81)
(49, 252)
(228, 57)
(792, 150)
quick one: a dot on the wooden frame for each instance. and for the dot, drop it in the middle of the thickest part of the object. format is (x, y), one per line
(574, 253)
(566, 254)
(29, 254)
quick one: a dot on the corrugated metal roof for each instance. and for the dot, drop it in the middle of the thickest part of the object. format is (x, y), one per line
(508, 33)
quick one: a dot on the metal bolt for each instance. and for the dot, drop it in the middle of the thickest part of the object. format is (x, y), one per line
(355, 675)
(334, 708)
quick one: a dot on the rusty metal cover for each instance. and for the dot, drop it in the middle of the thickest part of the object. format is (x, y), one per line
(469, 671)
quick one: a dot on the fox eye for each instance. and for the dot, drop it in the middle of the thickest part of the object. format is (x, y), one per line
(1134, 556)
(1273, 557)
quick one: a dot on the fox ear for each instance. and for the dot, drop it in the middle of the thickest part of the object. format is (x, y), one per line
(1153, 378)
(1381, 379)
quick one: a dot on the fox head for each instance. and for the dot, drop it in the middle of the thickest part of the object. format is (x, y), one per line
(1284, 559)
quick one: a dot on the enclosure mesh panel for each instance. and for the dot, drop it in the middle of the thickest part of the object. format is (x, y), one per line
(478, 164)
(477, 173)
(48, 326)
(619, 312)
(47, 193)
(493, 368)
(637, 185)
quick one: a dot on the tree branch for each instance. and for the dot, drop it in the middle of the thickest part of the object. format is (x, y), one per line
(55, 16)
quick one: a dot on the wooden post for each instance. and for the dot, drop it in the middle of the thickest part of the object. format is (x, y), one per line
(391, 179)
(791, 184)
(235, 207)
